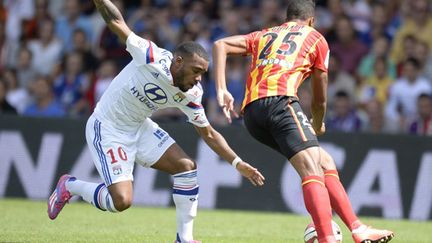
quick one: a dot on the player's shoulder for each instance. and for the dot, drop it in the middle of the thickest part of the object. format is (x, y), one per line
(165, 53)
(318, 35)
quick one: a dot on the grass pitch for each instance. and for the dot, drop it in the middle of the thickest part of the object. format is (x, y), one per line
(27, 221)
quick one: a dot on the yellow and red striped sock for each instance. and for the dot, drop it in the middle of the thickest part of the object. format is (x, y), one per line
(339, 199)
(317, 203)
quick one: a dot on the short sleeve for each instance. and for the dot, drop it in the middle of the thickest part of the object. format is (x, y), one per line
(322, 55)
(142, 50)
(250, 41)
(195, 113)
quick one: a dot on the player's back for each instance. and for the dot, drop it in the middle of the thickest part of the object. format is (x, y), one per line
(282, 58)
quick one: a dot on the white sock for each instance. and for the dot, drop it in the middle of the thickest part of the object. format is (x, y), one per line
(93, 193)
(185, 195)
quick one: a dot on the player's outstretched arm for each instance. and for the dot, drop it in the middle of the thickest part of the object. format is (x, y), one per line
(218, 144)
(233, 45)
(319, 100)
(113, 18)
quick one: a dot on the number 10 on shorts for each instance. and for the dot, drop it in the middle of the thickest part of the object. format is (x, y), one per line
(120, 152)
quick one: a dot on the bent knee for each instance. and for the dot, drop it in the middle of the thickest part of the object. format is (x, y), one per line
(122, 202)
(186, 165)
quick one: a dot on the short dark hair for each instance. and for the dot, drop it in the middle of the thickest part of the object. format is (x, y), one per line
(424, 96)
(413, 61)
(190, 48)
(342, 94)
(300, 9)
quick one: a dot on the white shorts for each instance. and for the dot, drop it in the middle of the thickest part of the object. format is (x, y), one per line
(114, 152)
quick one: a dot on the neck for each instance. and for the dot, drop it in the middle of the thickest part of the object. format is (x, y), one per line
(44, 102)
(299, 21)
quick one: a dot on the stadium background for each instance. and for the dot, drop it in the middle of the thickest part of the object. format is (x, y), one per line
(57, 58)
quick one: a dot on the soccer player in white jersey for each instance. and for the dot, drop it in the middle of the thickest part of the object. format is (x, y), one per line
(120, 133)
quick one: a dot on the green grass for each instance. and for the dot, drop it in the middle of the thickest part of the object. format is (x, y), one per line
(27, 221)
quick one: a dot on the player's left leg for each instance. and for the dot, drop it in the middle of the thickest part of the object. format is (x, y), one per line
(156, 149)
(341, 204)
(338, 197)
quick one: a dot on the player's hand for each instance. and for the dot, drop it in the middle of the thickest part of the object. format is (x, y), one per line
(252, 173)
(226, 102)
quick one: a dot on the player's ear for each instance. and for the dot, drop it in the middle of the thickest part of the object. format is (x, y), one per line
(178, 61)
(311, 21)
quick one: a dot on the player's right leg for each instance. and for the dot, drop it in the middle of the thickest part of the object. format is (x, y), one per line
(341, 204)
(113, 161)
(315, 194)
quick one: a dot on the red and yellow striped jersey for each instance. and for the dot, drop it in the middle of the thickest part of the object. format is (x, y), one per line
(282, 58)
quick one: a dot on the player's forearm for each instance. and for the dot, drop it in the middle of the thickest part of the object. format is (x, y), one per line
(319, 96)
(233, 45)
(219, 145)
(318, 110)
(113, 18)
(219, 62)
(108, 10)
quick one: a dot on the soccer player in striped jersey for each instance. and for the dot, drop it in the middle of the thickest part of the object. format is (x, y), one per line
(282, 58)
(120, 133)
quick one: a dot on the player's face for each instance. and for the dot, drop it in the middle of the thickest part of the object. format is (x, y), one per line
(188, 71)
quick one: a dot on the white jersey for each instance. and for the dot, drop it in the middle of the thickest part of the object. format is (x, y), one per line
(144, 86)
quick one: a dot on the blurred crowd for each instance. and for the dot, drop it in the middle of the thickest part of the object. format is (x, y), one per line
(57, 56)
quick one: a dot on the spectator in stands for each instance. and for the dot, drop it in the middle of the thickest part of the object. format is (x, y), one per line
(376, 121)
(269, 13)
(378, 27)
(378, 84)
(380, 48)
(106, 73)
(72, 85)
(346, 46)
(359, 11)
(344, 116)
(3, 47)
(3, 12)
(16, 95)
(82, 45)
(404, 92)
(168, 29)
(228, 25)
(32, 27)
(338, 80)
(17, 12)
(5, 107)
(418, 25)
(56, 8)
(24, 69)
(44, 104)
(109, 46)
(47, 49)
(72, 20)
(423, 54)
(326, 15)
(422, 125)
